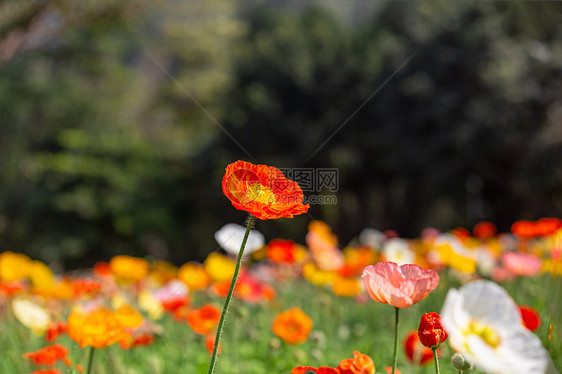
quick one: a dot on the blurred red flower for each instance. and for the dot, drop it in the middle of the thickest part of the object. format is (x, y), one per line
(210, 343)
(48, 355)
(530, 317)
(484, 230)
(55, 329)
(415, 351)
(281, 251)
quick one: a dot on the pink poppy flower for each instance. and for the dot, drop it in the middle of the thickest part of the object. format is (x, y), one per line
(399, 286)
(522, 264)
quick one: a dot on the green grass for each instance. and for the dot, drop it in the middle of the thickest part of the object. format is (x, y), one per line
(341, 326)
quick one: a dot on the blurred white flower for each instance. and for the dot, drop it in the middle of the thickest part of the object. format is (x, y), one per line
(485, 261)
(371, 238)
(31, 315)
(231, 235)
(398, 250)
(484, 323)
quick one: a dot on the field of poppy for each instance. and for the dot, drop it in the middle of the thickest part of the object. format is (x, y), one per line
(381, 303)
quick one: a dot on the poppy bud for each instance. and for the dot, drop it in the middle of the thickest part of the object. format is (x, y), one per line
(431, 332)
(461, 362)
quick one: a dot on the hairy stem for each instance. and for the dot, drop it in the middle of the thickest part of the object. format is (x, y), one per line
(229, 297)
(395, 361)
(436, 359)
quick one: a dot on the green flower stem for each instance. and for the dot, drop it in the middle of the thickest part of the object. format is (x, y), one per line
(229, 296)
(395, 361)
(436, 359)
(90, 359)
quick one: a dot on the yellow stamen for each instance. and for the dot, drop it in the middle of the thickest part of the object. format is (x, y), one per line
(485, 332)
(259, 193)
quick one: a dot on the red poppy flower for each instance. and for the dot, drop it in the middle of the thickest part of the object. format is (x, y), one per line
(309, 369)
(547, 226)
(262, 191)
(55, 329)
(530, 317)
(431, 332)
(485, 230)
(282, 251)
(48, 355)
(12, 288)
(48, 371)
(83, 287)
(141, 340)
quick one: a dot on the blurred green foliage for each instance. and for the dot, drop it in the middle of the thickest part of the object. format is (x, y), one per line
(112, 117)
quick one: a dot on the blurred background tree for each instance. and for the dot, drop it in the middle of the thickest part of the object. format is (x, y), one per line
(112, 117)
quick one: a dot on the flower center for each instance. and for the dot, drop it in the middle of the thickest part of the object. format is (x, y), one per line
(259, 193)
(485, 332)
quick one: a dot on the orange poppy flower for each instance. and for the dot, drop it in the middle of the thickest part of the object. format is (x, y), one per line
(48, 355)
(323, 245)
(293, 326)
(194, 276)
(346, 286)
(359, 364)
(204, 320)
(48, 371)
(99, 328)
(127, 268)
(262, 191)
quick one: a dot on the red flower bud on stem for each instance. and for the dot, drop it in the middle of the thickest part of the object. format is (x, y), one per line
(431, 332)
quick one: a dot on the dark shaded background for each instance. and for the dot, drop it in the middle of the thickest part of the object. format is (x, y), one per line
(112, 116)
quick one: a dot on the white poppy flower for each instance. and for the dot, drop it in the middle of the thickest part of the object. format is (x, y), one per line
(484, 323)
(231, 235)
(398, 250)
(371, 237)
(31, 315)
